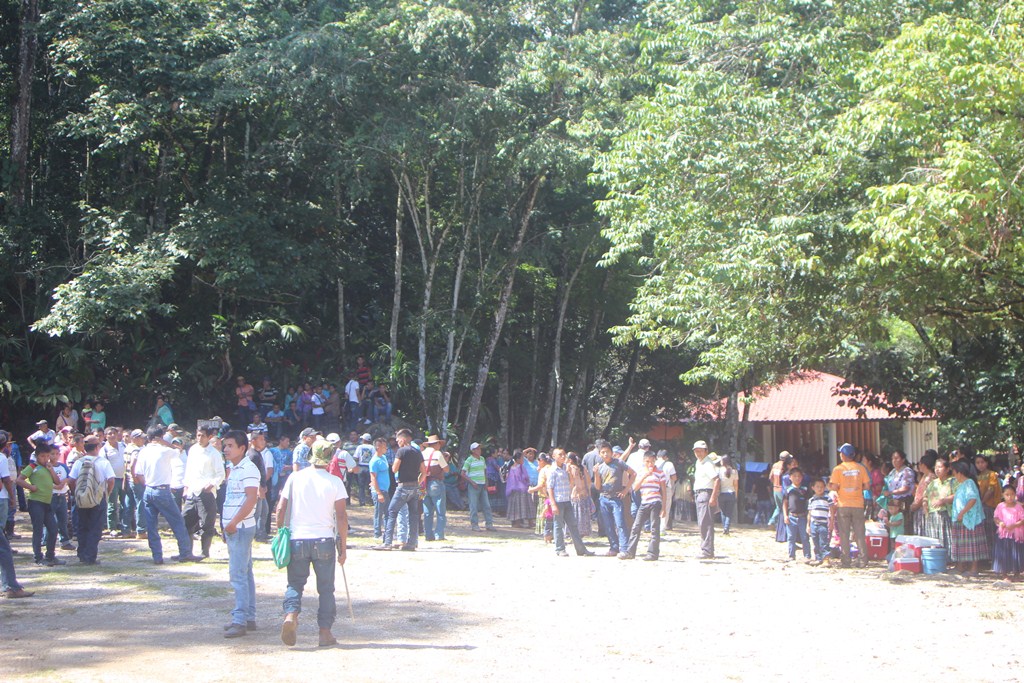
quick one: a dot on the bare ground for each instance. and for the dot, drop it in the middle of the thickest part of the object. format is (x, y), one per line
(503, 607)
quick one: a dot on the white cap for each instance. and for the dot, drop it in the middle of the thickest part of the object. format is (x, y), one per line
(333, 437)
(366, 437)
(700, 444)
(473, 446)
(644, 444)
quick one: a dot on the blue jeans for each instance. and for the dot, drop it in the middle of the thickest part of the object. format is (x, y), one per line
(139, 491)
(406, 496)
(240, 573)
(380, 514)
(42, 517)
(565, 518)
(320, 553)
(128, 507)
(763, 512)
(363, 478)
(382, 411)
(611, 514)
(727, 503)
(796, 530)
(59, 505)
(478, 500)
(819, 532)
(90, 529)
(402, 530)
(159, 501)
(435, 503)
(777, 497)
(8, 578)
(262, 518)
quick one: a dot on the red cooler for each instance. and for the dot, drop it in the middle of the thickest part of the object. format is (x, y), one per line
(878, 542)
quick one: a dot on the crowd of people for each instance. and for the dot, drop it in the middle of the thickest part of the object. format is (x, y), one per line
(958, 501)
(87, 480)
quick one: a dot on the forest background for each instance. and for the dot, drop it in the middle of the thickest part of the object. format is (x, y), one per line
(541, 221)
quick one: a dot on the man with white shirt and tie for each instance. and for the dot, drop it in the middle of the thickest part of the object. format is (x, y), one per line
(204, 473)
(153, 469)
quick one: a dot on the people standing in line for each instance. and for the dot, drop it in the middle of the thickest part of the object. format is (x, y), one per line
(92, 482)
(652, 485)
(240, 527)
(409, 470)
(729, 481)
(204, 473)
(706, 489)
(435, 497)
(850, 480)
(474, 473)
(559, 481)
(112, 451)
(614, 479)
(313, 502)
(153, 470)
(39, 479)
(380, 484)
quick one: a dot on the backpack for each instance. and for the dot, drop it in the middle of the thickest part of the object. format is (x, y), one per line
(89, 491)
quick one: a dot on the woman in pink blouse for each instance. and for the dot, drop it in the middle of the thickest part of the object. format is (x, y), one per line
(516, 492)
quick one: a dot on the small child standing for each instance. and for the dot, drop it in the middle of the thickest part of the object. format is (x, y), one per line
(895, 523)
(819, 509)
(1009, 550)
(794, 511)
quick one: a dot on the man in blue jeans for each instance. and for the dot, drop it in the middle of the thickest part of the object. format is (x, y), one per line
(153, 470)
(241, 493)
(435, 503)
(409, 469)
(9, 585)
(313, 502)
(613, 479)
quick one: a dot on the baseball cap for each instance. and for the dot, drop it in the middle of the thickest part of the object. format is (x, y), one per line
(644, 444)
(848, 450)
(366, 437)
(700, 444)
(42, 423)
(473, 446)
(785, 455)
(308, 431)
(617, 449)
(66, 428)
(333, 438)
(136, 433)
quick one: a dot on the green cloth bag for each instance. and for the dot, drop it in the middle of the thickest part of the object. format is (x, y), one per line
(281, 547)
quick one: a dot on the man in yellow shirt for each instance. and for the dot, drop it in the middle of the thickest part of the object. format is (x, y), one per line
(849, 481)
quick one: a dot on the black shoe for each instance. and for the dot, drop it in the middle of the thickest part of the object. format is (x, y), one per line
(586, 553)
(55, 562)
(189, 558)
(249, 626)
(236, 631)
(159, 560)
(68, 546)
(409, 548)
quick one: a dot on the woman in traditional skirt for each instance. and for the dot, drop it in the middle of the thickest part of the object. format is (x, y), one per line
(582, 503)
(1008, 555)
(900, 483)
(516, 484)
(544, 522)
(939, 500)
(991, 492)
(925, 474)
(970, 542)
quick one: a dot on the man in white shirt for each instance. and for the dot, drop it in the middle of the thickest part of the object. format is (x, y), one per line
(313, 502)
(635, 461)
(90, 519)
(136, 440)
(354, 397)
(9, 585)
(204, 472)
(43, 434)
(706, 486)
(153, 469)
(240, 523)
(260, 455)
(669, 470)
(113, 451)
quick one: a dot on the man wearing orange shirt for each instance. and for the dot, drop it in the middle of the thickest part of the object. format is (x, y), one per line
(850, 480)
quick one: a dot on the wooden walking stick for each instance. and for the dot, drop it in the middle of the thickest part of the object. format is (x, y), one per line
(347, 596)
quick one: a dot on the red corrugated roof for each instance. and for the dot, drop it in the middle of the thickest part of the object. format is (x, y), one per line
(807, 396)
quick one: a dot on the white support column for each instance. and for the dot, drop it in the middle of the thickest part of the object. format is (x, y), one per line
(833, 445)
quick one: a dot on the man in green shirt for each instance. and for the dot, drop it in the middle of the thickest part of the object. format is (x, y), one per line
(39, 479)
(474, 471)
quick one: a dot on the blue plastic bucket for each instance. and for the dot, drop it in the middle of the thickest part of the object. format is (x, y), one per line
(933, 560)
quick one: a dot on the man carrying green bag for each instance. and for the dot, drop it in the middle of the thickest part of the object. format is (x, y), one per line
(313, 502)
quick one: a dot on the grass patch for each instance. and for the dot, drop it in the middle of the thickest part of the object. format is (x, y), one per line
(996, 615)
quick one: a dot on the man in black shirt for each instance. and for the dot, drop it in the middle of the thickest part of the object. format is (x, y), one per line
(409, 470)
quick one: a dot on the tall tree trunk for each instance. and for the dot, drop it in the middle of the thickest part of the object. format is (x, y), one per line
(499, 318)
(627, 383)
(529, 408)
(452, 353)
(28, 47)
(341, 317)
(503, 402)
(396, 302)
(556, 360)
(585, 360)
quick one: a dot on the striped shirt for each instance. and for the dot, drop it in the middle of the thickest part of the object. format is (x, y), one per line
(818, 508)
(475, 469)
(558, 480)
(650, 490)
